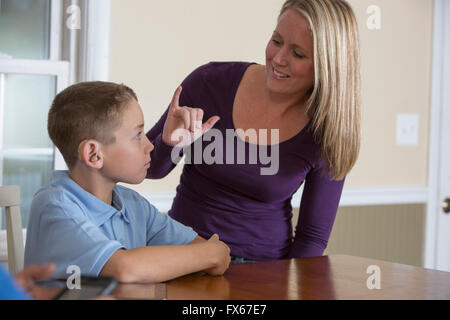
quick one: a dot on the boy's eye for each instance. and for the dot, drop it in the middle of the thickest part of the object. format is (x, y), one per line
(138, 136)
(276, 42)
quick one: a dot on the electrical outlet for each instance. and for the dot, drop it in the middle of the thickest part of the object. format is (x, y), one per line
(407, 129)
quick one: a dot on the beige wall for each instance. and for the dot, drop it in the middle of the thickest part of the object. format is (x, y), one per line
(396, 74)
(155, 44)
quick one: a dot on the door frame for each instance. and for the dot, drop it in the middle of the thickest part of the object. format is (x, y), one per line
(440, 98)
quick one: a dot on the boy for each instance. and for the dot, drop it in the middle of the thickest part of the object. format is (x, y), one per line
(85, 219)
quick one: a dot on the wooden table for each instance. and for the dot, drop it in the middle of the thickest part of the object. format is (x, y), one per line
(331, 277)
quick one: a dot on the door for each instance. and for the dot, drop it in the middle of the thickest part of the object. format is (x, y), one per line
(439, 216)
(443, 221)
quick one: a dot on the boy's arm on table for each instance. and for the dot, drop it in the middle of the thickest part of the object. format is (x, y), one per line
(162, 263)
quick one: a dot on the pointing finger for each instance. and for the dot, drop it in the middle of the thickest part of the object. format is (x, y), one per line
(176, 99)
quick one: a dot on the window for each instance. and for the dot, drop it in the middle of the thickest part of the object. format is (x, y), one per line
(42, 51)
(29, 79)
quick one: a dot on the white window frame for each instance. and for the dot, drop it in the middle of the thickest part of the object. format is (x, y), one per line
(94, 48)
(59, 69)
(86, 59)
(51, 67)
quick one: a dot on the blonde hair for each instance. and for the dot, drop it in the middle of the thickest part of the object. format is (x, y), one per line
(334, 104)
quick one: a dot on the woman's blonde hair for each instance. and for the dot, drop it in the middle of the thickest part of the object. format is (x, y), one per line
(334, 104)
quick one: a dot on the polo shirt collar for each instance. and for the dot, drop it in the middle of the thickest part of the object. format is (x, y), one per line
(97, 210)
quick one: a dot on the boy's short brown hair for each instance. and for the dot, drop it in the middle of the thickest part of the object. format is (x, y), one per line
(86, 110)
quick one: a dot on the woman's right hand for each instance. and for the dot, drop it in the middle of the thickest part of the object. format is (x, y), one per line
(222, 255)
(184, 124)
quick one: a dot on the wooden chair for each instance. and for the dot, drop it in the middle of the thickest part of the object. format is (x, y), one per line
(10, 199)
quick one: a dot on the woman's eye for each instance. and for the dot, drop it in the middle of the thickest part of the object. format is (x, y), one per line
(298, 55)
(138, 136)
(276, 42)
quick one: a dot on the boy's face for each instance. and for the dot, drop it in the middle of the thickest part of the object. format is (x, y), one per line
(128, 158)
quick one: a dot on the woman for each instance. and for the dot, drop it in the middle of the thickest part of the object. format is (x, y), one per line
(307, 98)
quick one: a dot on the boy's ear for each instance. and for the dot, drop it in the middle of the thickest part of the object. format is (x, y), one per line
(90, 154)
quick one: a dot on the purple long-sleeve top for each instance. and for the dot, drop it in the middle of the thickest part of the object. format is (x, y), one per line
(249, 211)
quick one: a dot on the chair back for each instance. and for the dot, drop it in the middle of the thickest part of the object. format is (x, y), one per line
(10, 199)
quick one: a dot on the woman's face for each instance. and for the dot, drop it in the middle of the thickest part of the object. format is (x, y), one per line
(289, 56)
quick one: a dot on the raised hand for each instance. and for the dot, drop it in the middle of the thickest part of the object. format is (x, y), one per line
(184, 124)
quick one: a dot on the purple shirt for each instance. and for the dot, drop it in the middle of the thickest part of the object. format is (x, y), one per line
(250, 212)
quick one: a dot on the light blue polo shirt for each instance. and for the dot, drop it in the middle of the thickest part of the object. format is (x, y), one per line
(70, 226)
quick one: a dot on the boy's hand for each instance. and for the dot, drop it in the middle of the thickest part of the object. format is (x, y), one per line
(183, 124)
(222, 253)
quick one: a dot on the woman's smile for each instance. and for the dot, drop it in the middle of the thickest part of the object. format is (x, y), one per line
(279, 75)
